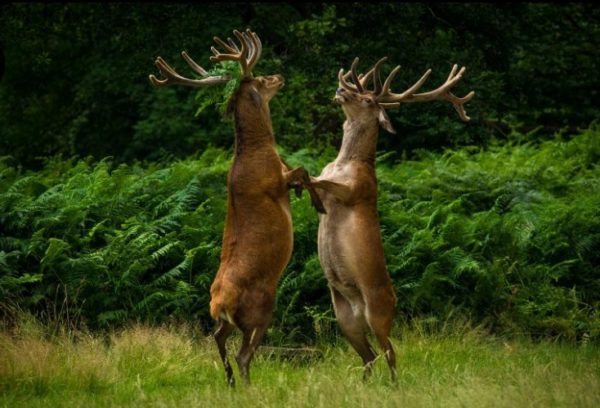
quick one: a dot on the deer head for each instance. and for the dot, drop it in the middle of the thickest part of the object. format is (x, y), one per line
(260, 89)
(360, 103)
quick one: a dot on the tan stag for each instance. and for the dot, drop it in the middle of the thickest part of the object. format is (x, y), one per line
(258, 237)
(349, 241)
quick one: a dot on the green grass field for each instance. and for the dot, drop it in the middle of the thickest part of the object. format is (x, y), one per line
(143, 366)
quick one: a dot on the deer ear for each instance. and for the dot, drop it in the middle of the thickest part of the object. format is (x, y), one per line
(256, 97)
(384, 121)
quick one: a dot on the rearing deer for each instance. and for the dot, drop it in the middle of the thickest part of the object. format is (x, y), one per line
(258, 237)
(349, 243)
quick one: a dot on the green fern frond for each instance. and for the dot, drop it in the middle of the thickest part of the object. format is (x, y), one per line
(173, 273)
(216, 95)
(164, 250)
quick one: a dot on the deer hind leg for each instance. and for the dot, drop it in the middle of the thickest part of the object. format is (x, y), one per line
(250, 341)
(379, 313)
(354, 328)
(223, 331)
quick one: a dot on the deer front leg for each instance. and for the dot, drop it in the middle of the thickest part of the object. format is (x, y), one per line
(298, 179)
(342, 192)
(287, 171)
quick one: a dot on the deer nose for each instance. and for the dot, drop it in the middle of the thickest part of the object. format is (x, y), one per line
(339, 91)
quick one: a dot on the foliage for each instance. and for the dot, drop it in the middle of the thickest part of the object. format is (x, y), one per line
(496, 219)
(210, 96)
(113, 242)
(75, 80)
(509, 234)
(506, 235)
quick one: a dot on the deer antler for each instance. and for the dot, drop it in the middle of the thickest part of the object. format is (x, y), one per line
(387, 99)
(358, 85)
(173, 78)
(247, 56)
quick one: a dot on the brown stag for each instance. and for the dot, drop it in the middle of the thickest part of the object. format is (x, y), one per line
(349, 240)
(257, 240)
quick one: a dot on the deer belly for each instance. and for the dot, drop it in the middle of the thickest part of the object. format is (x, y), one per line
(284, 237)
(337, 255)
(269, 244)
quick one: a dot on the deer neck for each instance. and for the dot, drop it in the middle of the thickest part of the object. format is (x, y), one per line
(359, 141)
(253, 128)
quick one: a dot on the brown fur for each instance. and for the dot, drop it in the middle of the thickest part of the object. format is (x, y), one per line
(350, 245)
(257, 210)
(258, 236)
(257, 240)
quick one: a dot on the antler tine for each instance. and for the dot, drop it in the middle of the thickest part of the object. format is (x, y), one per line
(251, 49)
(355, 85)
(342, 79)
(244, 52)
(418, 84)
(355, 79)
(165, 70)
(390, 100)
(453, 72)
(453, 78)
(364, 78)
(376, 78)
(173, 78)
(233, 44)
(234, 54)
(229, 47)
(258, 48)
(388, 81)
(458, 104)
(197, 68)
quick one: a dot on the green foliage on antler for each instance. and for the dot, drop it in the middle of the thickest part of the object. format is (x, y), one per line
(219, 96)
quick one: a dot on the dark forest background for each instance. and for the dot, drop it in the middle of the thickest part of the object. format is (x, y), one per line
(112, 192)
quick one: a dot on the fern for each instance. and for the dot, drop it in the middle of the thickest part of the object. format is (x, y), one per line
(507, 235)
(174, 273)
(214, 95)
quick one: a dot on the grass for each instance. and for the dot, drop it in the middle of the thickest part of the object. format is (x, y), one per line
(165, 366)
